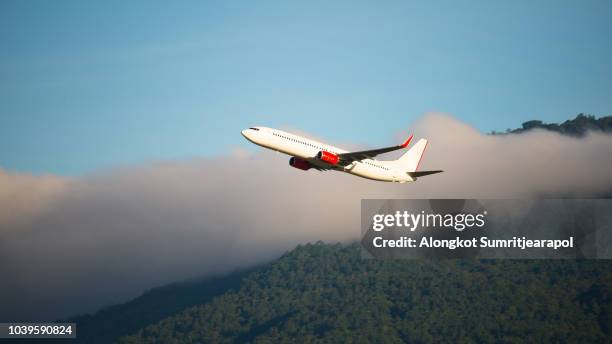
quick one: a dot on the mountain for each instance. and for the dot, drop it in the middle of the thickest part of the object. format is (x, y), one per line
(321, 292)
(328, 293)
(154, 305)
(578, 126)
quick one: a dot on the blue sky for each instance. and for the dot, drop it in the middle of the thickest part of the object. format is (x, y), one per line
(88, 85)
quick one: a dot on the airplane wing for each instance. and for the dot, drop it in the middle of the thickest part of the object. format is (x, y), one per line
(347, 158)
(319, 168)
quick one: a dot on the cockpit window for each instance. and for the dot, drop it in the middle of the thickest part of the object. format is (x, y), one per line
(257, 129)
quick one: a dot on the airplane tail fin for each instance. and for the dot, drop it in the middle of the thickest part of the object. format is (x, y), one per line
(409, 162)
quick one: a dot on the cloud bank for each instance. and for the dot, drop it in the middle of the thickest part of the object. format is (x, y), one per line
(72, 245)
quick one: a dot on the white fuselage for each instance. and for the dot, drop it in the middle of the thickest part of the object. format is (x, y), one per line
(307, 149)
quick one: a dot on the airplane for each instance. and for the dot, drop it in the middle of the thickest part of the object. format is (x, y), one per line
(306, 154)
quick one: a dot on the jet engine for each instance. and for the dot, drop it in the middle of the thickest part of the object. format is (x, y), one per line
(328, 157)
(299, 163)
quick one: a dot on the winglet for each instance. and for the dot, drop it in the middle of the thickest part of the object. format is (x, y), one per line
(405, 144)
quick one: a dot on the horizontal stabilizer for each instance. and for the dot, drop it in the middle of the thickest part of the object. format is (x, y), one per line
(422, 173)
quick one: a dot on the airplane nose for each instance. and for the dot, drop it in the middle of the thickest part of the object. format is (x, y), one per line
(245, 133)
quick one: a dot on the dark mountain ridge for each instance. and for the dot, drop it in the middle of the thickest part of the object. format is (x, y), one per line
(577, 127)
(110, 323)
(328, 293)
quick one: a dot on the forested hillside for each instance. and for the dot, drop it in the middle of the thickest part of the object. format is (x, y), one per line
(156, 304)
(328, 293)
(578, 126)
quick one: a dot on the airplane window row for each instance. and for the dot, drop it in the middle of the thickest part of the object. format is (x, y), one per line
(371, 164)
(301, 142)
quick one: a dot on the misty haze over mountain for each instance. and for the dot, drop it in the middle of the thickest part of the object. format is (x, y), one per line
(73, 245)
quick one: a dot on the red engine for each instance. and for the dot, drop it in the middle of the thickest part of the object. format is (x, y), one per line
(328, 157)
(299, 163)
